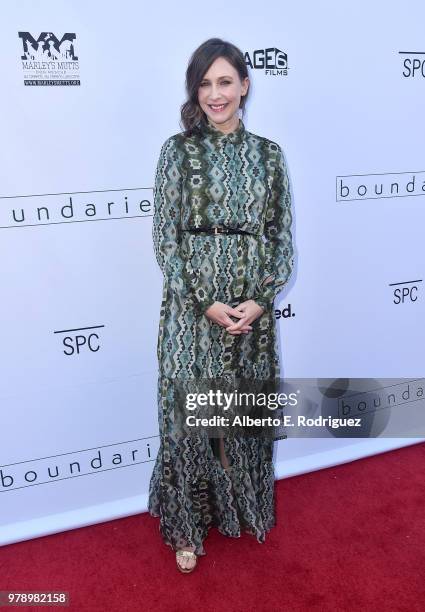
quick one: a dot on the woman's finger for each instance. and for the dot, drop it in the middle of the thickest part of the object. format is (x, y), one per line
(234, 312)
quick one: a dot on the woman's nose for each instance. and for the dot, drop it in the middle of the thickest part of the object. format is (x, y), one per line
(215, 91)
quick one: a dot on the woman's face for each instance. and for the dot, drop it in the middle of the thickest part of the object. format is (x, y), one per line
(220, 92)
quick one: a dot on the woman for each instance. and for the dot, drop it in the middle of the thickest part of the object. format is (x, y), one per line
(217, 313)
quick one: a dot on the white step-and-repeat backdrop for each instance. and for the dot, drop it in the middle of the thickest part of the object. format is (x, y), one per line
(90, 91)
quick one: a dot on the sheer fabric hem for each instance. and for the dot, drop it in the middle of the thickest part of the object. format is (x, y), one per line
(227, 501)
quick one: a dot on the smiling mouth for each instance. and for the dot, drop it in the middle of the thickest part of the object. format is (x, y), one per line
(217, 107)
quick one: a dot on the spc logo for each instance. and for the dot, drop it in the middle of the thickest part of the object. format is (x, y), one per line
(78, 340)
(414, 66)
(272, 60)
(405, 292)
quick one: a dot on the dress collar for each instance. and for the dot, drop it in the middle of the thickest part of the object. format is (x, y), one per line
(217, 135)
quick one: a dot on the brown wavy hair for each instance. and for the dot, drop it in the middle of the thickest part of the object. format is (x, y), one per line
(193, 118)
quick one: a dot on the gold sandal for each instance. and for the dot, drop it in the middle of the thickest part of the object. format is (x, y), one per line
(186, 553)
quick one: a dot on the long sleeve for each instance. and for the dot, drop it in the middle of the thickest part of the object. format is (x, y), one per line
(166, 228)
(279, 252)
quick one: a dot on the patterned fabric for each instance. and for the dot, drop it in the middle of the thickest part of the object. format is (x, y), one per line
(237, 180)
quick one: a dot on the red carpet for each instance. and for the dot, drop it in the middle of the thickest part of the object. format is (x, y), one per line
(351, 537)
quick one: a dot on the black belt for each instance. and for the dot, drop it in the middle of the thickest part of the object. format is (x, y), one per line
(215, 230)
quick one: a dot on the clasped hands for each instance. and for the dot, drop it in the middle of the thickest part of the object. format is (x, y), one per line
(247, 312)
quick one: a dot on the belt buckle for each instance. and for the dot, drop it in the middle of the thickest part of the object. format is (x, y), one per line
(219, 230)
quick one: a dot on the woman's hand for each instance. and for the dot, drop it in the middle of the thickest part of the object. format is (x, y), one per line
(251, 311)
(219, 313)
(247, 312)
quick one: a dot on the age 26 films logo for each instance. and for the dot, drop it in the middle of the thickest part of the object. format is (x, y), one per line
(272, 60)
(49, 60)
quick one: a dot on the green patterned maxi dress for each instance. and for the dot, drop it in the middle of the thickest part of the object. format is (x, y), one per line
(237, 180)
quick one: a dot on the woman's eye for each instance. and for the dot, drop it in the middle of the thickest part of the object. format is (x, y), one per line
(222, 83)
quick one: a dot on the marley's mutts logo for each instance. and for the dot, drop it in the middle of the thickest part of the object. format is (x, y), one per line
(273, 61)
(49, 60)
